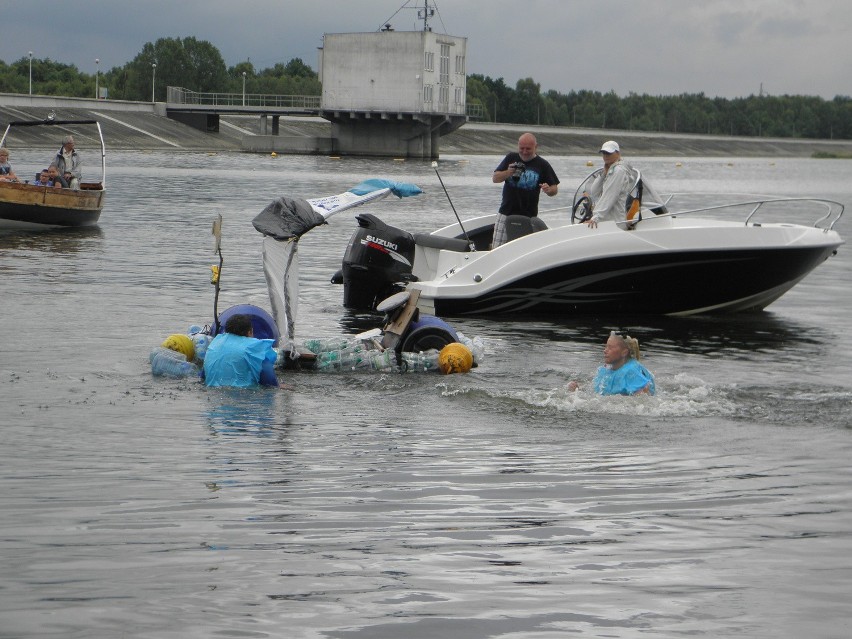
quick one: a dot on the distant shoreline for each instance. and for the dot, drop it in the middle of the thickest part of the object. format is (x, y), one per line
(500, 138)
(145, 127)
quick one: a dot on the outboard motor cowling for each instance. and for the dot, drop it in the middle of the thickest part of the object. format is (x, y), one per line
(378, 258)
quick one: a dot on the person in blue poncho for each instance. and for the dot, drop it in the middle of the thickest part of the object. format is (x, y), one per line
(237, 358)
(621, 374)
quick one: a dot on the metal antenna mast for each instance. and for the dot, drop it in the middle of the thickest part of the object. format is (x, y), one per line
(424, 14)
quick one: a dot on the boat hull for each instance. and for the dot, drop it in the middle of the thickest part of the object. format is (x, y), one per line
(669, 267)
(660, 284)
(28, 206)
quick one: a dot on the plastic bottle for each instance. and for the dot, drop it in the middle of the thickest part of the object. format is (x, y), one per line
(170, 363)
(321, 345)
(201, 342)
(475, 345)
(421, 361)
(383, 361)
(349, 358)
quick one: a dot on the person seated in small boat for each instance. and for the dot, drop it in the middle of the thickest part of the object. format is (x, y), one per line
(237, 358)
(611, 187)
(621, 374)
(69, 163)
(55, 177)
(44, 180)
(6, 172)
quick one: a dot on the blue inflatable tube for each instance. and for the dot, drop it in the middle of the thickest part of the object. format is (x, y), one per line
(262, 323)
(428, 332)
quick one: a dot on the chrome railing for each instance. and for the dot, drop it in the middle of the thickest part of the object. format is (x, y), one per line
(833, 210)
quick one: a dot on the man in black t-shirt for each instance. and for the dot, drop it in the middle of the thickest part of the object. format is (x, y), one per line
(524, 175)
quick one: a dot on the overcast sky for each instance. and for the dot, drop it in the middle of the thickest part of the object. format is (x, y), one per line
(725, 48)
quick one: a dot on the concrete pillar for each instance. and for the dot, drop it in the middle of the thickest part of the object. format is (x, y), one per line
(264, 124)
(390, 136)
(275, 119)
(207, 122)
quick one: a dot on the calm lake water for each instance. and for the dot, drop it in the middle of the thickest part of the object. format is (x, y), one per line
(492, 504)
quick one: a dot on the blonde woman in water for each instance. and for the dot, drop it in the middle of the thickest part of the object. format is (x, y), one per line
(621, 374)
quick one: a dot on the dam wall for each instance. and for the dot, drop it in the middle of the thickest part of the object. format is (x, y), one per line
(145, 126)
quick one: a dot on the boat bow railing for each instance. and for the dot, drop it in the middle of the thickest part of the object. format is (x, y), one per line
(833, 210)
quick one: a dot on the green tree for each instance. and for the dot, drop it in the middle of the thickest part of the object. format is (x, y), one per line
(189, 63)
(298, 69)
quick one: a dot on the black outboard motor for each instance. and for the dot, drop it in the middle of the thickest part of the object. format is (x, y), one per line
(377, 263)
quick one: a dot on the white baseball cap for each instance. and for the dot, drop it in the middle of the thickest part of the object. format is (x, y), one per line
(609, 147)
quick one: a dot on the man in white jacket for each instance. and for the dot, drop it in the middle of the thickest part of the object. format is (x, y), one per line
(68, 163)
(610, 188)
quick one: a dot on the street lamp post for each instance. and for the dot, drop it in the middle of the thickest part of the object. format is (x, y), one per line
(97, 77)
(31, 72)
(244, 88)
(153, 79)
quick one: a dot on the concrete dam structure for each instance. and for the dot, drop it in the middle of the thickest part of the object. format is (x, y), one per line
(145, 126)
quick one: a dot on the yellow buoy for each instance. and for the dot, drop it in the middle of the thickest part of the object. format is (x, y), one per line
(455, 358)
(590, 163)
(180, 344)
(678, 164)
(274, 154)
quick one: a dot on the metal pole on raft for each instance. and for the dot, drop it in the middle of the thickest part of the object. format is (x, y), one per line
(217, 270)
(471, 244)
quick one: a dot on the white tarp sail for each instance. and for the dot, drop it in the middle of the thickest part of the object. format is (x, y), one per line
(281, 268)
(284, 221)
(328, 206)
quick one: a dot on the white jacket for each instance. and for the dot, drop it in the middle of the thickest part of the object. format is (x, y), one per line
(609, 192)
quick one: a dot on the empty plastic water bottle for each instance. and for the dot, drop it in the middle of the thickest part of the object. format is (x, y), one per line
(421, 361)
(383, 361)
(321, 345)
(475, 345)
(170, 363)
(350, 358)
(201, 342)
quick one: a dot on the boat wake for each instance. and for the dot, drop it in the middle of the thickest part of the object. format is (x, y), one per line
(683, 395)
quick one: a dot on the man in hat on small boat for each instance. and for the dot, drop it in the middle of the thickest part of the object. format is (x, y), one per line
(69, 163)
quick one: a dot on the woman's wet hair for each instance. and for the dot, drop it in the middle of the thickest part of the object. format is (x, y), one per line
(631, 343)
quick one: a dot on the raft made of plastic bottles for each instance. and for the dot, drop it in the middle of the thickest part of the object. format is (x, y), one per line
(169, 363)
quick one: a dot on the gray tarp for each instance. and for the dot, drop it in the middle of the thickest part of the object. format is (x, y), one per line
(286, 218)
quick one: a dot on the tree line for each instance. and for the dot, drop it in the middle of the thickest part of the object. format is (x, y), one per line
(182, 62)
(199, 66)
(785, 116)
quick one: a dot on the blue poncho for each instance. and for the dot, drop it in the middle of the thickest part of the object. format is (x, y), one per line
(234, 360)
(627, 380)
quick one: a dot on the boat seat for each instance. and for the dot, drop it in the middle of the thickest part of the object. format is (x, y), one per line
(520, 225)
(445, 243)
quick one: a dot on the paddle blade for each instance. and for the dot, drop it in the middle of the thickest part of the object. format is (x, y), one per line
(217, 233)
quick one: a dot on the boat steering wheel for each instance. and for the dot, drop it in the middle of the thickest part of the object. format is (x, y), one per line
(582, 210)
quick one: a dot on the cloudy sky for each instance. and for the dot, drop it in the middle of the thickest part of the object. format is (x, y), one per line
(725, 48)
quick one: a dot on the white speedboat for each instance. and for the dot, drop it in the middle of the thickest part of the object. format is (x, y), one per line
(720, 258)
